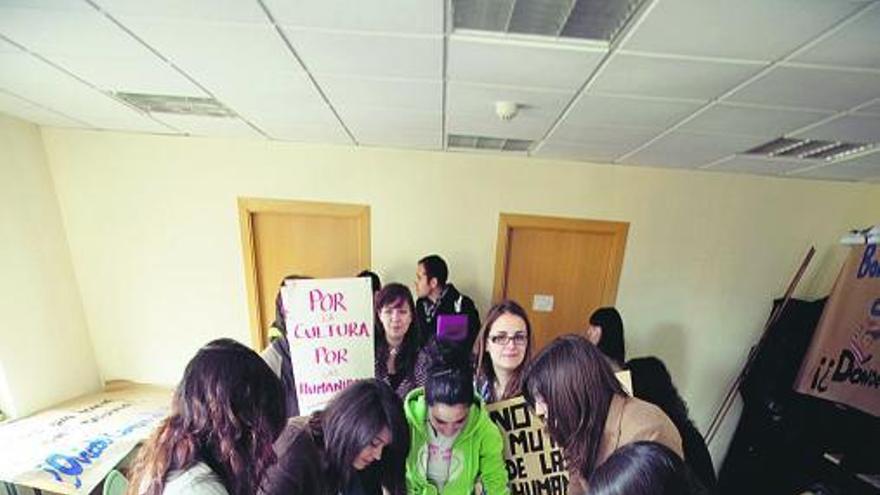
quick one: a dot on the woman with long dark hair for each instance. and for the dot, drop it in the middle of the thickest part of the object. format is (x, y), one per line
(572, 386)
(454, 443)
(357, 445)
(606, 333)
(643, 468)
(226, 413)
(504, 348)
(399, 362)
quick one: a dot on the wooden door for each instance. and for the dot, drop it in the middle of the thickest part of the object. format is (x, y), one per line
(559, 269)
(281, 238)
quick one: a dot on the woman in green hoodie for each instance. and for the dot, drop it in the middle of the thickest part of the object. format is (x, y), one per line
(454, 443)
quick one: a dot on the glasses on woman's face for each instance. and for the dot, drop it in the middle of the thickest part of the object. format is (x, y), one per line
(503, 339)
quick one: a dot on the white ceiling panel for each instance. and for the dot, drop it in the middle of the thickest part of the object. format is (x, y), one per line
(602, 153)
(471, 110)
(375, 55)
(129, 74)
(521, 127)
(30, 78)
(750, 165)
(595, 110)
(744, 29)
(402, 139)
(345, 91)
(856, 45)
(370, 121)
(611, 139)
(192, 10)
(79, 33)
(26, 110)
(220, 51)
(873, 109)
(274, 96)
(687, 150)
(670, 77)
(521, 64)
(862, 168)
(209, 126)
(811, 88)
(309, 132)
(751, 121)
(852, 128)
(389, 16)
(57, 5)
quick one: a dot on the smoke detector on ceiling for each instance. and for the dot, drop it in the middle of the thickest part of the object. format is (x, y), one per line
(506, 110)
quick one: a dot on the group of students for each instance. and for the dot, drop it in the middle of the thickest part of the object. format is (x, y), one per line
(420, 426)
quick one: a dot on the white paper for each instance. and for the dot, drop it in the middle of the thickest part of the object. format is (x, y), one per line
(542, 302)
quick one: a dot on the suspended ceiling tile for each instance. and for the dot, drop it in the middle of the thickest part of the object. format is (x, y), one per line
(521, 64)
(743, 29)
(596, 110)
(371, 55)
(749, 165)
(852, 128)
(810, 88)
(23, 109)
(480, 99)
(51, 5)
(855, 45)
(78, 33)
(751, 121)
(417, 94)
(217, 51)
(40, 83)
(209, 126)
(193, 10)
(521, 127)
(129, 74)
(310, 132)
(616, 139)
(687, 150)
(873, 109)
(640, 75)
(274, 95)
(370, 120)
(390, 16)
(858, 169)
(561, 150)
(403, 139)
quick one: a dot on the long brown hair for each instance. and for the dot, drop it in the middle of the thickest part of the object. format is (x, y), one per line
(576, 382)
(485, 367)
(395, 295)
(350, 423)
(226, 412)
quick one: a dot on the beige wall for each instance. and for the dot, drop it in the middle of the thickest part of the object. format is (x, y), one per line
(45, 352)
(153, 228)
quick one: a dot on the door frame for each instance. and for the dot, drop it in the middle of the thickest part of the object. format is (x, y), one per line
(248, 207)
(510, 221)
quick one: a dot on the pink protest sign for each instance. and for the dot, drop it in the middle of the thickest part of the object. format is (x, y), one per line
(330, 330)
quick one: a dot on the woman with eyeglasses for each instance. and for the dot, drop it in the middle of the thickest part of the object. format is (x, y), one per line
(400, 362)
(454, 443)
(504, 348)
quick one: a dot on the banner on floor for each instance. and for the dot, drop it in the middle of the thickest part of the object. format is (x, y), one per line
(841, 363)
(70, 448)
(330, 331)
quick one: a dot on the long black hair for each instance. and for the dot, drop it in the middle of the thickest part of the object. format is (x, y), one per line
(351, 422)
(611, 342)
(643, 468)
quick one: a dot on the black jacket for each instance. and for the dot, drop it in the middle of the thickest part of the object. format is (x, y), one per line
(452, 302)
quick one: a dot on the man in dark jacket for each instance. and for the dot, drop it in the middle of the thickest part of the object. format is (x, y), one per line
(437, 297)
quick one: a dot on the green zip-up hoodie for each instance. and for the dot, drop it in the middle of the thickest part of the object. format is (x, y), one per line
(477, 453)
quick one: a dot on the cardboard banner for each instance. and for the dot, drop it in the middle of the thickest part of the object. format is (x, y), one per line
(843, 361)
(70, 448)
(534, 462)
(330, 331)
